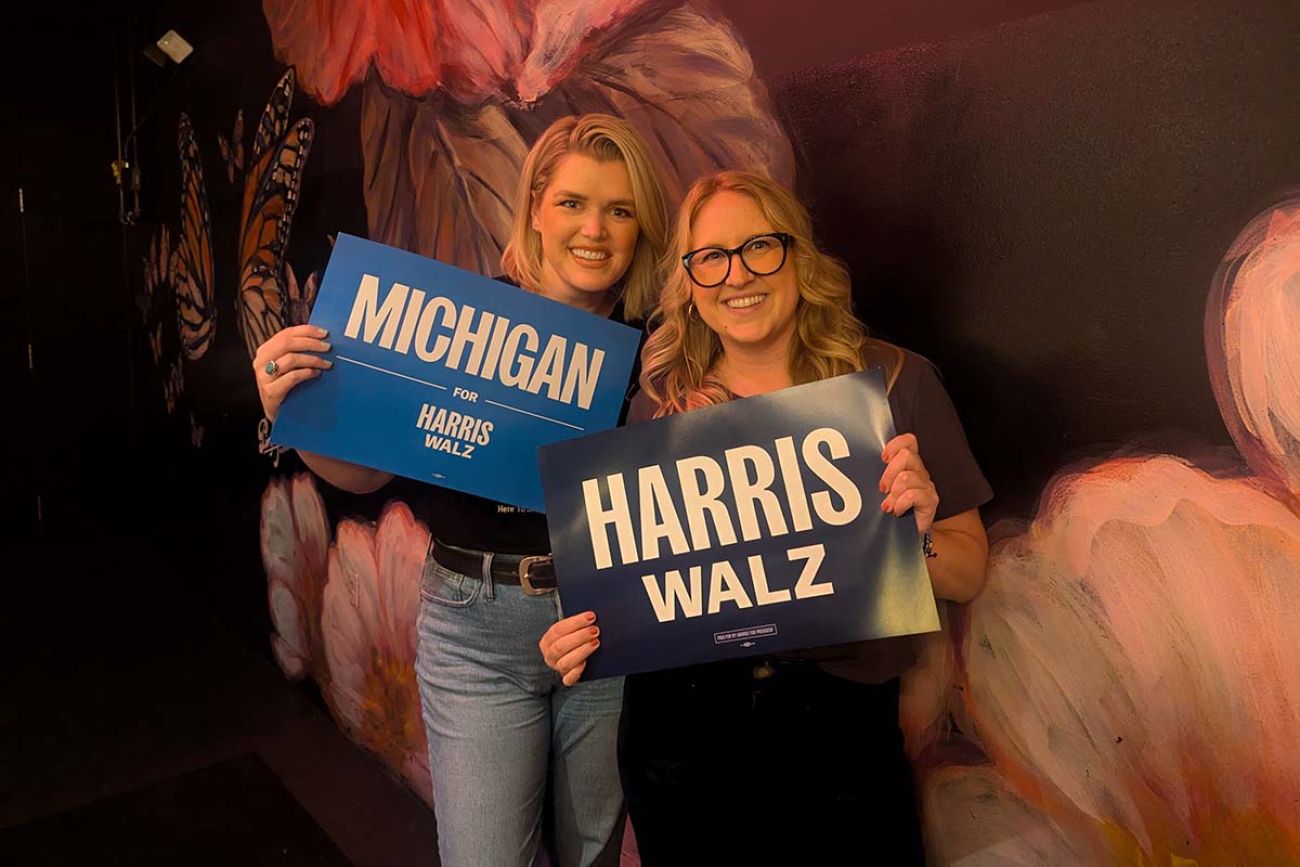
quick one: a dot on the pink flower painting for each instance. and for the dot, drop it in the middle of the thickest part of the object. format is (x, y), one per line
(1131, 665)
(1251, 342)
(295, 537)
(371, 602)
(1128, 678)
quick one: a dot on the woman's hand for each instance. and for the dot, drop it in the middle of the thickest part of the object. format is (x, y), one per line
(961, 546)
(291, 350)
(568, 643)
(906, 482)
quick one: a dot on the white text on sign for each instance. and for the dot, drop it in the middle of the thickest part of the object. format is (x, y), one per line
(475, 342)
(697, 519)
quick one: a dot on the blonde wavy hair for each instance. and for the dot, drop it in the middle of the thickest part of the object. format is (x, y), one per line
(678, 358)
(603, 138)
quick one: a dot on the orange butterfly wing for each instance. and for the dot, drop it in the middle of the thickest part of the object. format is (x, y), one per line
(270, 199)
(191, 261)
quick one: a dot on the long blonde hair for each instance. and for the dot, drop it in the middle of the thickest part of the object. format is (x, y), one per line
(828, 340)
(603, 138)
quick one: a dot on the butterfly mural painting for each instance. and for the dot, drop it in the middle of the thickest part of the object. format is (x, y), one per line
(157, 272)
(270, 198)
(155, 343)
(232, 149)
(269, 296)
(191, 261)
(173, 386)
(157, 306)
(301, 297)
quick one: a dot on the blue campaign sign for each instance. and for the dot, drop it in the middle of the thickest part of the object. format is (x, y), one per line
(741, 529)
(451, 378)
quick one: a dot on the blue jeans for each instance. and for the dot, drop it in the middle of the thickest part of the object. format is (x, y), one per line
(500, 723)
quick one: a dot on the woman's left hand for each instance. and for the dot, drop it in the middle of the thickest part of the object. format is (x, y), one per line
(906, 483)
(567, 644)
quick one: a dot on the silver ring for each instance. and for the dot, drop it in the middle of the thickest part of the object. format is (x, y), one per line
(271, 368)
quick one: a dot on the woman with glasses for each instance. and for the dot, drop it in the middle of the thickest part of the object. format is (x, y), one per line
(506, 746)
(796, 758)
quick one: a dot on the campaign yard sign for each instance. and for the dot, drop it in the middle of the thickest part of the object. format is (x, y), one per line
(746, 528)
(451, 378)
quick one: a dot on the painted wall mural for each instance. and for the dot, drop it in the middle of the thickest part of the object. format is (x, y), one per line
(344, 604)
(455, 93)
(1128, 674)
(1123, 692)
(179, 282)
(1126, 682)
(1250, 339)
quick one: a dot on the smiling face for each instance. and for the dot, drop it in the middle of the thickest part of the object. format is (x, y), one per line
(586, 217)
(749, 314)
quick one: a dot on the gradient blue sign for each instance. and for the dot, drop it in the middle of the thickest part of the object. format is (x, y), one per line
(451, 378)
(741, 529)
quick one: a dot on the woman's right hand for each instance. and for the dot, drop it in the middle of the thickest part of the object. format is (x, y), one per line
(292, 351)
(568, 643)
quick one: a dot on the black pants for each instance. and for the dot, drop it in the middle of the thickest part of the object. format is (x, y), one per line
(766, 762)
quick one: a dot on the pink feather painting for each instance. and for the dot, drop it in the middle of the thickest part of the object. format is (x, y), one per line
(454, 94)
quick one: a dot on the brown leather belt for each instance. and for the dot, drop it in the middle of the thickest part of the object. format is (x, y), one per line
(534, 573)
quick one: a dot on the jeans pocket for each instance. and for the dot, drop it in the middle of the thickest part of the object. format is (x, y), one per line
(442, 586)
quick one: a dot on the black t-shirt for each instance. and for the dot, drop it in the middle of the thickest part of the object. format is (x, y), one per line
(920, 406)
(479, 524)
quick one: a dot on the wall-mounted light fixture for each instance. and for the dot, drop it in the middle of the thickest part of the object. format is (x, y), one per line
(170, 47)
(170, 51)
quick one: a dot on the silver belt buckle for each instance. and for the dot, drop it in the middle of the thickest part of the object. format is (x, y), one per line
(526, 582)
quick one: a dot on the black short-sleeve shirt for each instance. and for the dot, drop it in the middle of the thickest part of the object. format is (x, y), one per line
(921, 406)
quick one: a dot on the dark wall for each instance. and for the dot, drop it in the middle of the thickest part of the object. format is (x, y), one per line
(65, 352)
(1040, 208)
(95, 455)
(785, 37)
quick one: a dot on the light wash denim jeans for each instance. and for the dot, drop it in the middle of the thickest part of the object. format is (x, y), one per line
(500, 723)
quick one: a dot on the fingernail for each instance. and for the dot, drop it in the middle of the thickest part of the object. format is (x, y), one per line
(596, 643)
(594, 630)
(590, 615)
(882, 487)
(321, 331)
(886, 506)
(327, 348)
(328, 364)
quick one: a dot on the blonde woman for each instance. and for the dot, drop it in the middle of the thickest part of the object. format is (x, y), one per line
(589, 225)
(795, 758)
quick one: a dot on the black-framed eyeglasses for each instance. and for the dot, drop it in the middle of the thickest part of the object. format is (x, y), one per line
(762, 255)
